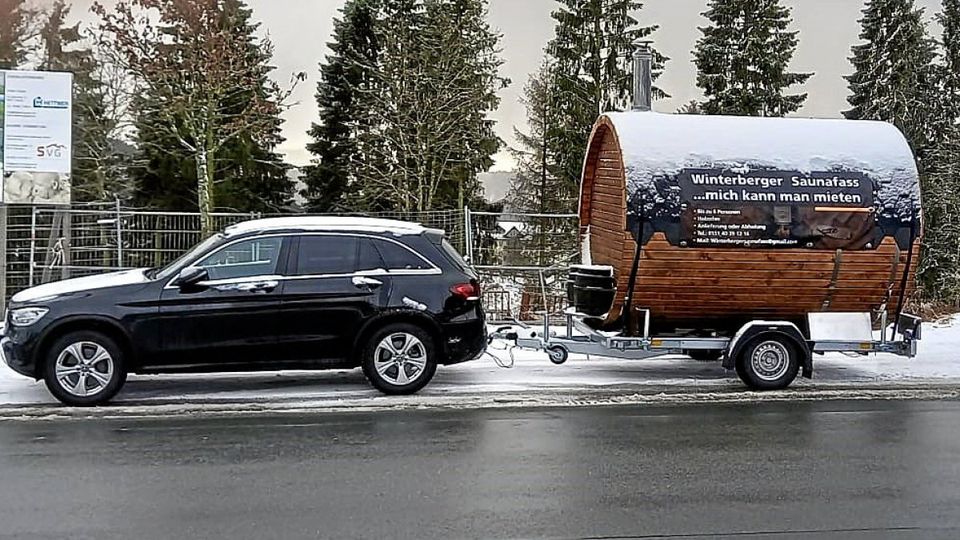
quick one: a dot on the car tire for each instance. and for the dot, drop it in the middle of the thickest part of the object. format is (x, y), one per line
(93, 378)
(768, 363)
(399, 359)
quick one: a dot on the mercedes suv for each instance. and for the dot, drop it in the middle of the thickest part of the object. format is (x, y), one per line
(290, 293)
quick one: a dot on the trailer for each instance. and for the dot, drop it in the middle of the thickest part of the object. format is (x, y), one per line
(767, 355)
(759, 241)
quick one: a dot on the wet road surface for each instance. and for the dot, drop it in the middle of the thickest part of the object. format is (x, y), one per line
(779, 470)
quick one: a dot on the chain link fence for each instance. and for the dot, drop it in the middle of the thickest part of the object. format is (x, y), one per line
(522, 258)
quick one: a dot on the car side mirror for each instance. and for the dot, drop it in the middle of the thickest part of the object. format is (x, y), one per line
(191, 277)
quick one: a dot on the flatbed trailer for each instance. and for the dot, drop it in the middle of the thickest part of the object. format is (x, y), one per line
(767, 355)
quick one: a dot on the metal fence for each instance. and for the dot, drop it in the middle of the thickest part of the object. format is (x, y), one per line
(521, 257)
(523, 261)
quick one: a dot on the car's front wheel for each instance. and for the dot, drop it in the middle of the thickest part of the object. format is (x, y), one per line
(84, 369)
(399, 359)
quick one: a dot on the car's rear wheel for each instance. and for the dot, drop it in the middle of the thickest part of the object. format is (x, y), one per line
(399, 359)
(84, 369)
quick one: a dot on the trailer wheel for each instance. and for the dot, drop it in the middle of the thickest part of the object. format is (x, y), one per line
(558, 355)
(768, 363)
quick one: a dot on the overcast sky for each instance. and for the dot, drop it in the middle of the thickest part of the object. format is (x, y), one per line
(300, 30)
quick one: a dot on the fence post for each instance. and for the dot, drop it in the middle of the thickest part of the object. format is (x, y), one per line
(468, 234)
(33, 244)
(119, 237)
(67, 235)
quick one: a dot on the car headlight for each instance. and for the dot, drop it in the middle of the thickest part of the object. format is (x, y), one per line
(27, 316)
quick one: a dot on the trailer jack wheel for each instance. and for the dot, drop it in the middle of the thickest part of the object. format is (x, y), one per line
(558, 355)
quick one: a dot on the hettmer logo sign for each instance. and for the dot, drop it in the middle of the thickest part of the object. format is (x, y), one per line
(41, 103)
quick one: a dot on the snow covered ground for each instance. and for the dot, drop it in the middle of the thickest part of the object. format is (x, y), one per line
(532, 378)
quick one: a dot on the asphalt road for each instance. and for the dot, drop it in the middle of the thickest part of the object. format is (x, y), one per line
(781, 470)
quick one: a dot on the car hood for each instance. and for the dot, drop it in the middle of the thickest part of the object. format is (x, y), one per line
(68, 286)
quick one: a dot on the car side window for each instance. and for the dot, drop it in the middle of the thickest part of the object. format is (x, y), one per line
(370, 258)
(326, 254)
(397, 257)
(249, 258)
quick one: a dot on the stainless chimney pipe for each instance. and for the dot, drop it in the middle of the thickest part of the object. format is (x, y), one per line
(643, 77)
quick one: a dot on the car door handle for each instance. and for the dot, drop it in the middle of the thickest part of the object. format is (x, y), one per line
(363, 282)
(258, 286)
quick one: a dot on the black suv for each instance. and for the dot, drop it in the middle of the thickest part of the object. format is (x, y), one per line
(290, 293)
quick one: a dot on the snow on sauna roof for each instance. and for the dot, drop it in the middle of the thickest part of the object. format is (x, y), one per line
(352, 224)
(654, 143)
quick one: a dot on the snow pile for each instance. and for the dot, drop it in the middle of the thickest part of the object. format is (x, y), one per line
(102, 281)
(328, 223)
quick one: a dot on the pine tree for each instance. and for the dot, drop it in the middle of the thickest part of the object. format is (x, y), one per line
(538, 188)
(949, 75)
(96, 172)
(426, 134)
(940, 267)
(463, 53)
(15, 17)
(591, 54)
(743, 59)
(344, 79)
(893, 71)
(254, 177)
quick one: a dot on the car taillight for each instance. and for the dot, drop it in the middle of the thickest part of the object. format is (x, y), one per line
(466, 291)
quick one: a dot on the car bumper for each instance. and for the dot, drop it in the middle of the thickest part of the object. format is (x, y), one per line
(464, 341)
(16, 360)
(18, 350)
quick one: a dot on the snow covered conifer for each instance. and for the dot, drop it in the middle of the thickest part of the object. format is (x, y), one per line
(743, 59)
(950, 76)
(591, 54)
(893, 70)
(940, 267)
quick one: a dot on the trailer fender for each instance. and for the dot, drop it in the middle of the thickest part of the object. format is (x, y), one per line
(753, 329)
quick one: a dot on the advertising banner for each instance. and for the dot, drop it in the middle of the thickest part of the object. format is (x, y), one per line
(36, 111)
(771, 209)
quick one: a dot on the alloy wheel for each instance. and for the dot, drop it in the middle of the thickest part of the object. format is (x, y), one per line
(400, 358)
(84, 368)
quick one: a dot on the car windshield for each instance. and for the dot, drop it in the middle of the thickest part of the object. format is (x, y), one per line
(169, 270)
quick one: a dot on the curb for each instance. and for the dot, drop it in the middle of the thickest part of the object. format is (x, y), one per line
(540, 399)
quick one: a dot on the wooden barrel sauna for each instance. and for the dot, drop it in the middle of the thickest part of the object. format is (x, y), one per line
(750, 218)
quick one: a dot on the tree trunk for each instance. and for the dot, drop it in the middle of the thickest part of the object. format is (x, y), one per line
(205, 192)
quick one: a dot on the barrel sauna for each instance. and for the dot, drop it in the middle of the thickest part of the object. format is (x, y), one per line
(743, 219)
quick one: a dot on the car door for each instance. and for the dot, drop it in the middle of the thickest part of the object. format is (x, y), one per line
(334, 283)
(229, 319)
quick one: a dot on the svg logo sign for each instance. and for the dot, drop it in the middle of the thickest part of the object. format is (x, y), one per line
(40, 103)
(53, 150)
